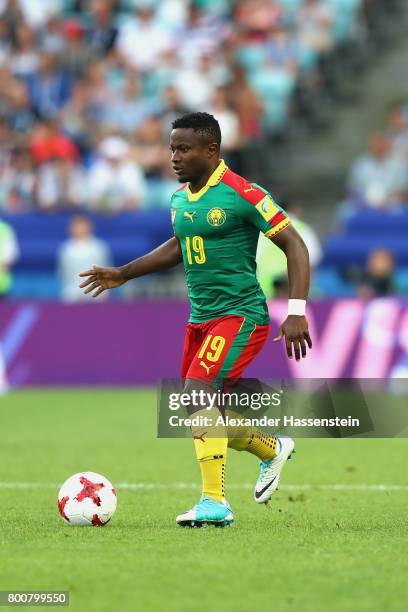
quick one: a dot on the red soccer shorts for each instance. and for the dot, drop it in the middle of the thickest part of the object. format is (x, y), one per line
(221, 348)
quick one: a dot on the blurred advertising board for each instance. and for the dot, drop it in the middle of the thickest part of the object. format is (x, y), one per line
(140, 343)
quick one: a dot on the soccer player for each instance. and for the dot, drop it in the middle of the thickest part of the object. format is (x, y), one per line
(217, 216)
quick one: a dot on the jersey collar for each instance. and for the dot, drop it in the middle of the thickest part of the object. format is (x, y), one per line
(214, 179)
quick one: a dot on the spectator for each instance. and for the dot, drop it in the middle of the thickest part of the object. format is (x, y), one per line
(77, 56)
(275, 85)
(102, 33)
(282, 49)
(118, 72)
(172, 108)
(52, 39)
(128, 109)
(196, 84)
(99, 95)
(377, 280)
(115, 182)
(76, 119)
(230, 129)
(18, 181)
(271, 261)
(142, 40)
(49, 87)
(257, 16)
(36, 12)
(61, 185)
(9, 254)
(13, 16)
(314, 22)
(202, 34)
(247, 104)
(152, 153)
(48, 142)
(161, 190)
(379, 177)
(6, 81)
(77, 254)
(20, 117)
(25, 57)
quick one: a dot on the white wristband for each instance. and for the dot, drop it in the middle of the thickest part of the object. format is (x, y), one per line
(297, 307)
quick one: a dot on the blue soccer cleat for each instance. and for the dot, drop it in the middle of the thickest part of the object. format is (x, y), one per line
(208, 511)
(270, 471)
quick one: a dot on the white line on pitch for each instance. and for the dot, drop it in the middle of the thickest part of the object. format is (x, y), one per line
(190, 485)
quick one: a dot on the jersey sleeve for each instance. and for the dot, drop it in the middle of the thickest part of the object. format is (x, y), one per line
(263, 212)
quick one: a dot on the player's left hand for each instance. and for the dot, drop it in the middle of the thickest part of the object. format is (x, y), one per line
(296, 333)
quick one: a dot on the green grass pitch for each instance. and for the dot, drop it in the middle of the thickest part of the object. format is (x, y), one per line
(314, 549)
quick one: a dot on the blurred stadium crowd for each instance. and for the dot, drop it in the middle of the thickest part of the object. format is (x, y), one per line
(89, 88)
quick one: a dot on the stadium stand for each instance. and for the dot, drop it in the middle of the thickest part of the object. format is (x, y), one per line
(128, 235)
(90, 86)
(375, 213)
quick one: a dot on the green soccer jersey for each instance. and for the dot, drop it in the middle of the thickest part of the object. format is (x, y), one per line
(218, 228)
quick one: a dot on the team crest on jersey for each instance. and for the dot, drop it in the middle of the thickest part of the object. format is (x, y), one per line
(216, 217)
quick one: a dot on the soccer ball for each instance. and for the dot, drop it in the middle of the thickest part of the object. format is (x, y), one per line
(87, 498)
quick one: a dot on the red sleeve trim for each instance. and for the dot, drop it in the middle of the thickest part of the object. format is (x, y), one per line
(181, 188)
(278, 218)
(245, 189)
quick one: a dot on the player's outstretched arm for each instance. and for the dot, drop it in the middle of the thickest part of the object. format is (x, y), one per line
(295, 328)
(167, 255)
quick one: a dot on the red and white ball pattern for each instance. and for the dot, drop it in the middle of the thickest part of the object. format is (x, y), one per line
(87, 498)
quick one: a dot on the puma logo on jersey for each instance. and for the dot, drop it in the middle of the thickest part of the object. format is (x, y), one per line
(206, 367)
(200, 437)
(249, 189)
(190, 215)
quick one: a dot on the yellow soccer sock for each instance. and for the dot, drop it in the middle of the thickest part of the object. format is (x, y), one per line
(213, 477)
(250, 439)
(211, 453)
(263, 445)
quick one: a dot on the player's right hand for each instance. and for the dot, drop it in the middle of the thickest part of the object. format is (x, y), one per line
(100, 279)
(295, 330)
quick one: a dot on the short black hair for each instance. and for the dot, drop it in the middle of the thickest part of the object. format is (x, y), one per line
(204, 123)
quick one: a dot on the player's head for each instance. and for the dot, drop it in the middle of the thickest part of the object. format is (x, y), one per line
(80, 228)
(195, 143)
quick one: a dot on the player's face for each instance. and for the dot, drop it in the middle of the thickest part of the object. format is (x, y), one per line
(190, 154)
